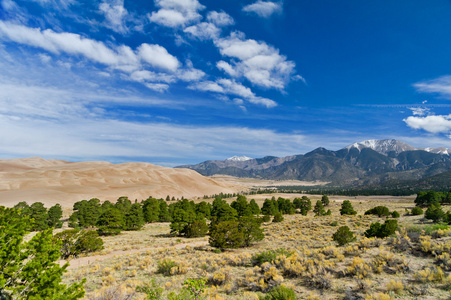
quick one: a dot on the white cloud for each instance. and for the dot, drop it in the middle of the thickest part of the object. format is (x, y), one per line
(176, 13)
(115, 15)
(441, 86)
(226, 67)
(263, 9)
(220, 19)
(119, 57)
(419, 111)
(258, 62)
(433, 124)
(231, 87)
(190, 74)
(158, 56)
(203, 31)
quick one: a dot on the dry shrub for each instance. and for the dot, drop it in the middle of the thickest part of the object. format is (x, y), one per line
(120, 292)
(358, 268)
(395, 286)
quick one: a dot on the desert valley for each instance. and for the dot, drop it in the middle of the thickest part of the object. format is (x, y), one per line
(301, 245)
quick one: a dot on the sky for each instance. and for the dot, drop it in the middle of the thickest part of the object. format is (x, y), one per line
(174, 82)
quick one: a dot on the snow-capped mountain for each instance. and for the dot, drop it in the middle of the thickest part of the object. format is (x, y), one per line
(238, 158)
(394, 146)
(383, 146)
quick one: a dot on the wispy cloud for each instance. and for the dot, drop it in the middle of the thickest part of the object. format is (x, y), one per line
(263, 9)
(441, 86)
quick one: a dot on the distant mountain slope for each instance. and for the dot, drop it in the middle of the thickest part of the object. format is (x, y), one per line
(369, 162)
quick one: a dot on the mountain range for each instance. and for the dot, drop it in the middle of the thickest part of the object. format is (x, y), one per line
(364, 163)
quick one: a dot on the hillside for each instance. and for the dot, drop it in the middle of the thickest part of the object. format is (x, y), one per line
(56, 181)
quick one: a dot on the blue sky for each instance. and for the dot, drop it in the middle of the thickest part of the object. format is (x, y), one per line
(182, 81)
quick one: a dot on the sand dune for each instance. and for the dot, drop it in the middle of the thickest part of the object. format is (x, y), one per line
(56, 181)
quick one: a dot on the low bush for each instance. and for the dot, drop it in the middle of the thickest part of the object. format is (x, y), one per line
(280, 292)
(381, 231)
(416, 211)
(278, 217)
(395, 214)
(380, 211)
(343, 236)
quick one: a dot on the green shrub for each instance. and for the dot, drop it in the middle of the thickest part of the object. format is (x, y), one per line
(164, 266)
(75, 242)
(280, 292)
(226, 235)
(434, 213)
(198, 228)
(347, 209)
(269, 256)
(381, 231)
(334, 223)
(416, 211)
(395, 214)
(266, 218)
(343, 236)
(278, 217)
(380, 211)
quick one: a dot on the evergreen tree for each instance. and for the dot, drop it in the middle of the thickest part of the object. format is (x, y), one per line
(434, 213)
(39, 215)
(225, 235)
(28, 270)
(55, 214)
(250, 227)
(123, 204)
(303, 204)
(110, 222)
(24, 208)
(241, 206)
(222, 211)
(151, 210)
(163, 215)
(285, 206)
(325, 200)
(75, 242)
(347, 209)
(343, 236)
(269, 207)
(319, 209)
(204, 209)
(134, 218)
(255, 209)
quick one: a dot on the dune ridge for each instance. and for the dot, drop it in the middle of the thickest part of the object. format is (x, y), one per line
(56, 181)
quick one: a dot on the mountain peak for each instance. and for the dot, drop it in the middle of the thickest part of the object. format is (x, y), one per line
(238, 158)
(383, 146)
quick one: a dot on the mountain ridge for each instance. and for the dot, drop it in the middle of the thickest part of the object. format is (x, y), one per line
(371, 161)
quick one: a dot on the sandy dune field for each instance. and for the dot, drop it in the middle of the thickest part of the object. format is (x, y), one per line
(56, 181)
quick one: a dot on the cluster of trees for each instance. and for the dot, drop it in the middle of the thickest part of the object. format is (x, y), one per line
(28, 270)
(42, 218)
(433, 201)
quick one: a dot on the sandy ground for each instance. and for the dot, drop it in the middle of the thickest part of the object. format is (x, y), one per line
(253, 182)
(57, 181)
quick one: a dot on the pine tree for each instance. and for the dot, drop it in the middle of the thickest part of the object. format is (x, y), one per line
(347, 209)
(55, 214)
(110, 222)
(319, 209)
(325, 200)
(151, 210)
(255, 209)
(28, 270)
(39, 215)
(134, 219)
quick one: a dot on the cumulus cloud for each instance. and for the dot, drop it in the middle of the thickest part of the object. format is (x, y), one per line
(263, 9)
(220, 19)
(258, 62)
(115, 15)
(441, 86)
(176, 13)
(203, 31)
(433, 124)
(120, 57)
(158, 56)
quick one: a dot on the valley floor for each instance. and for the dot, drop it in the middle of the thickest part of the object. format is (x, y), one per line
(414, 264)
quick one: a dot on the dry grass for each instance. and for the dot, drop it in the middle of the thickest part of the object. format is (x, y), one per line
(396, 267)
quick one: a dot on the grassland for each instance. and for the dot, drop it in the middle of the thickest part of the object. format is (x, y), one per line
(414, 264)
